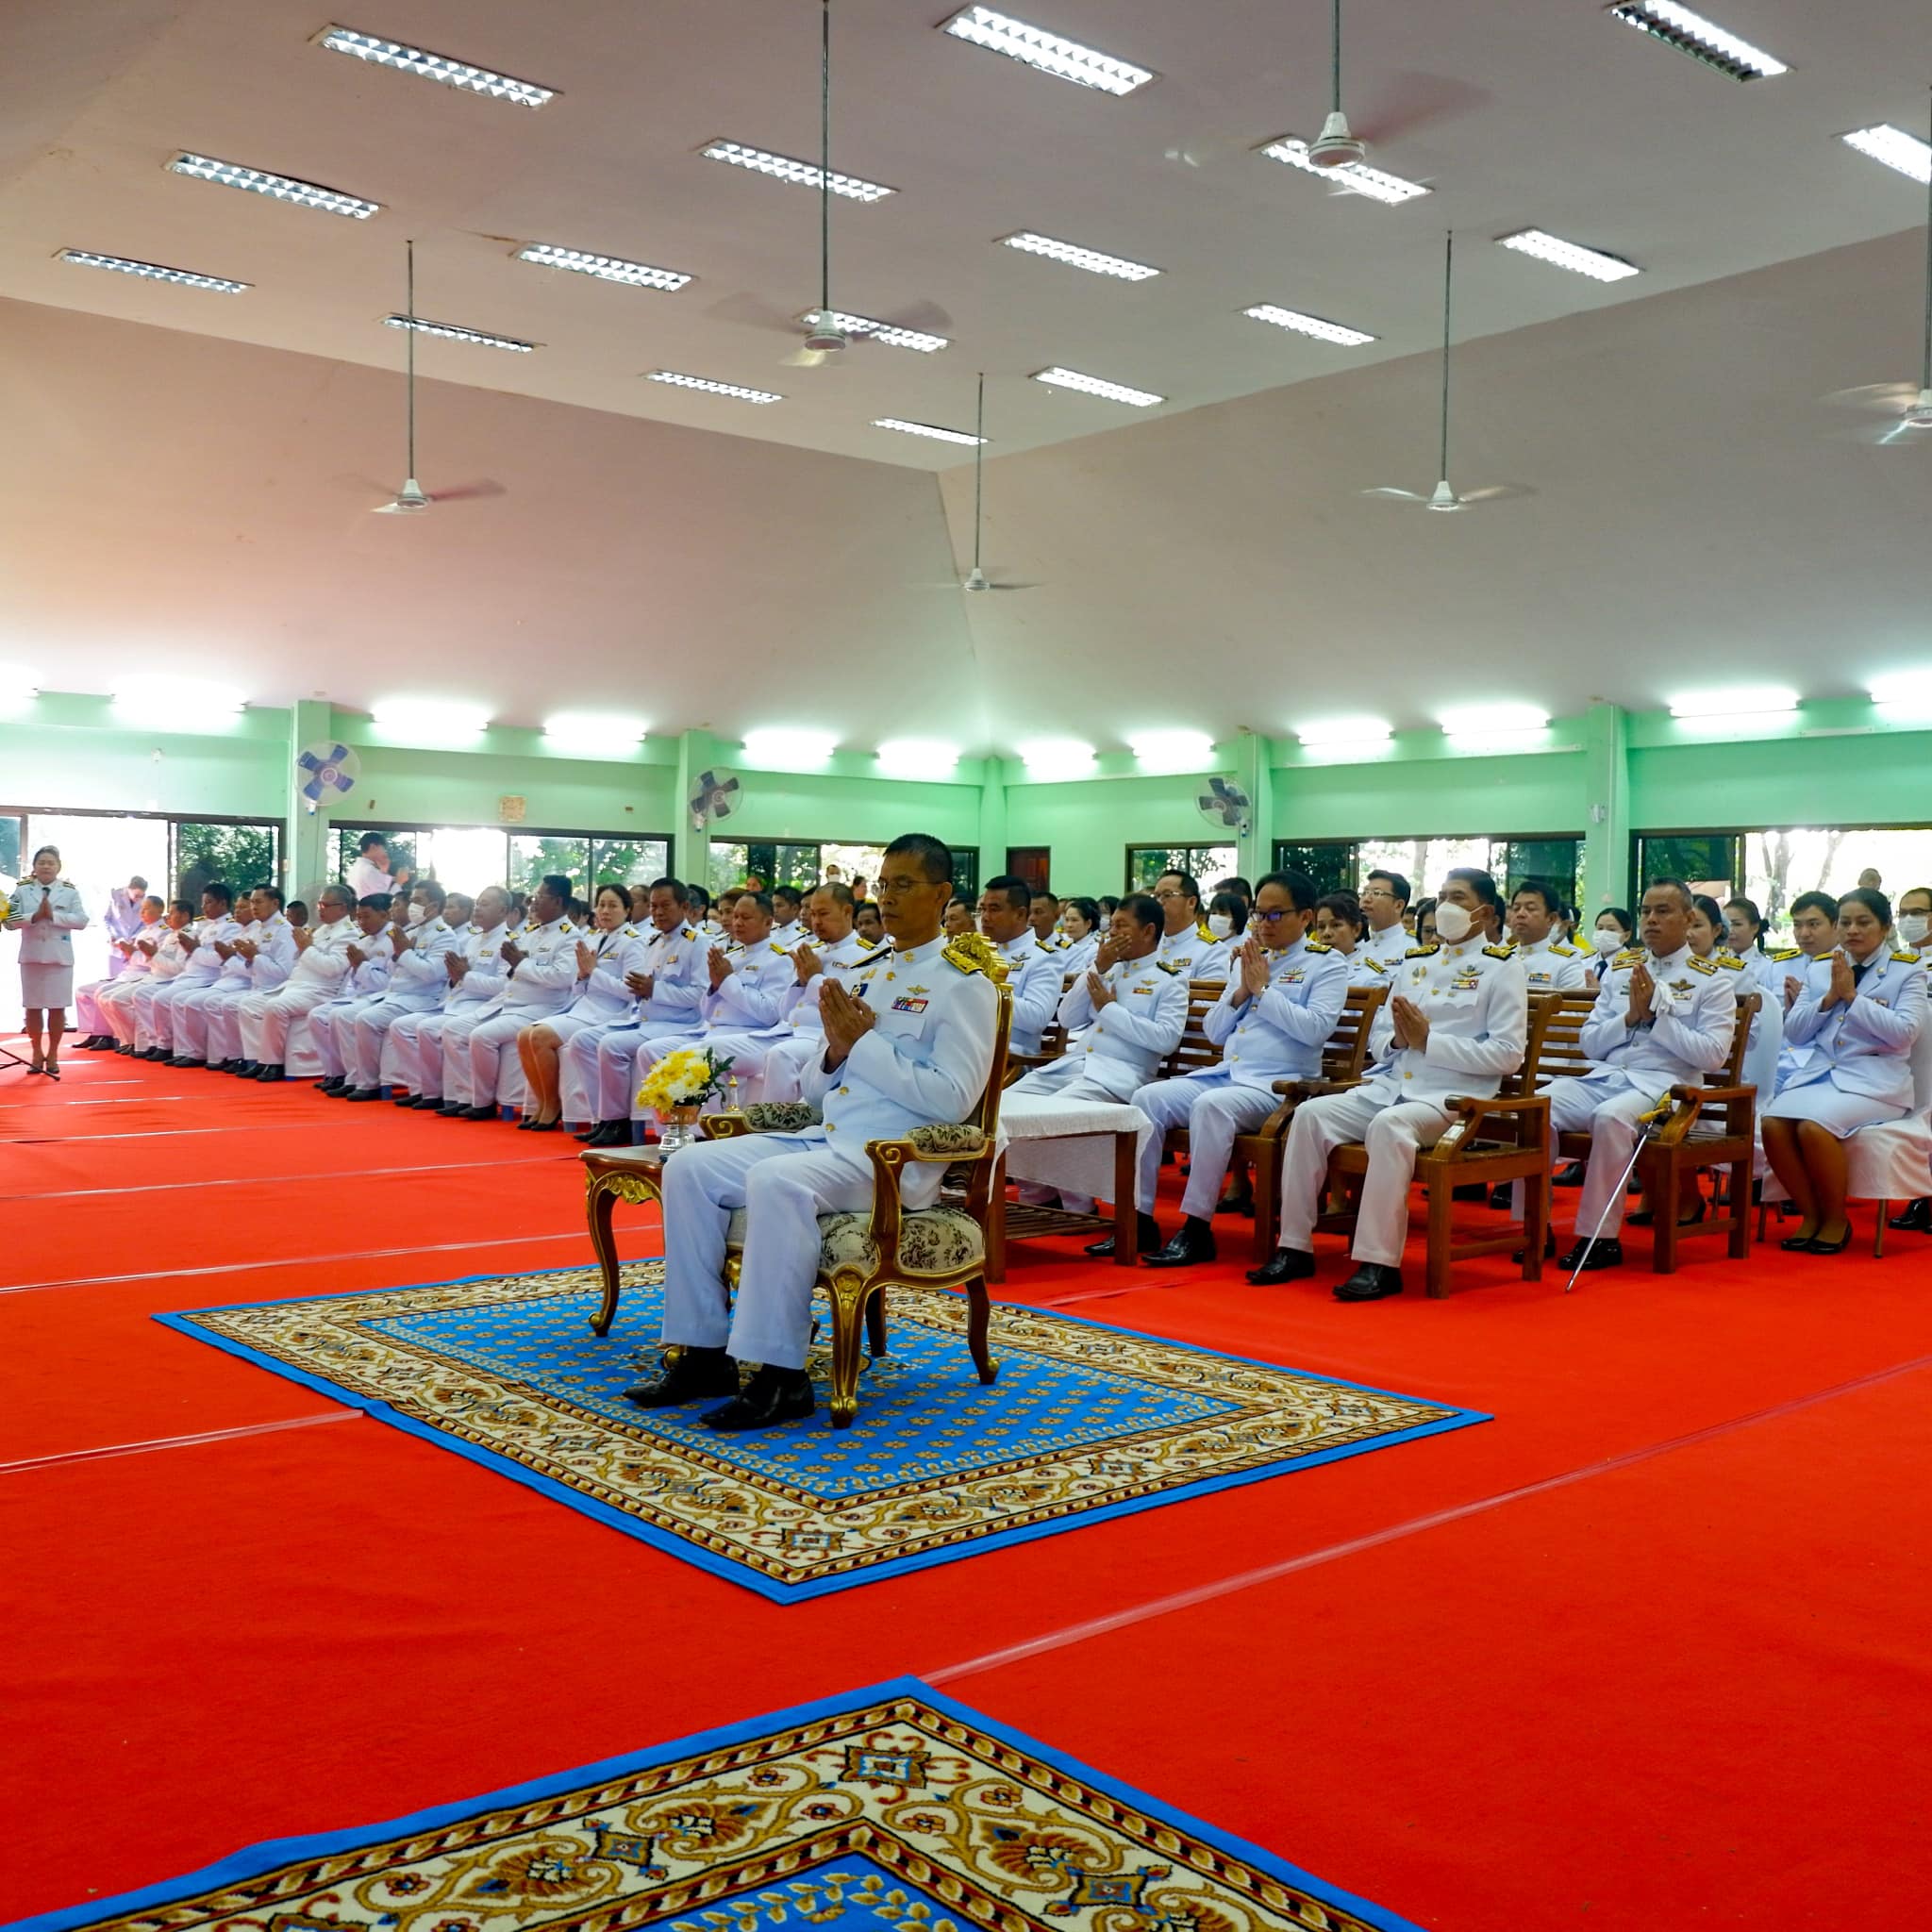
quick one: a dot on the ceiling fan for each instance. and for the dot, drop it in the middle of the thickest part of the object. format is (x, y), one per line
(1909, 405)
(976, 578)
(412, 499)
(1337, 145)
(1442, 497)
(825, 339)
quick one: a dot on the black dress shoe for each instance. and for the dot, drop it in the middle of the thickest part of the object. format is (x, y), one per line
(1370, 1282)
(181, 1060)
(1819, 1246)
(696, 1374)
(331, 1083)
(400, 1099)
(1796, 1243)
(1917, 1219)
(587, 1133)
(543, 1127)
(1549, 1249)
(1568, 1176)
(772, 1396)
(362, 1093)
(1191, 1244)
(1237, 1201)
(1592, 1257)
(611, 1134)
(1285, 1264)
(450, 1109)
(246, 1070)
(478, 1113)
(1470, 1190)
(271, 1073)
(126, 1049)
(1503, 1196)
(1146, 1239)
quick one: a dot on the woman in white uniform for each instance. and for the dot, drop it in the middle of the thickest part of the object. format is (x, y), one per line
(1080, 923)
(46, 912)
(602, 999)
(1859, 1008)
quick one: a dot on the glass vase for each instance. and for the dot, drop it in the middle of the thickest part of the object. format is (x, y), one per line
(677, 1127)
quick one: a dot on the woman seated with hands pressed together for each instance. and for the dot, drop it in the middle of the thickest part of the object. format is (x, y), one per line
(602, 999)
(1859, 1008)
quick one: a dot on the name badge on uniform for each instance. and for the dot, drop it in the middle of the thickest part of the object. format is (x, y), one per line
(906, 1003)
(1465, 982)
(1293, 978)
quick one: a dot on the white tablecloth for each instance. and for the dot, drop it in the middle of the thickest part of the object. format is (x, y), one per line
(1033, 1125)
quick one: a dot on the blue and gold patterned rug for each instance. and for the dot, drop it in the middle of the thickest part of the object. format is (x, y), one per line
(1085, 1422)
(892, 1809)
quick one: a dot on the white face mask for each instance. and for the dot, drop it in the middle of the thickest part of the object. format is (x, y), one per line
(1606, 940)
(1220, 925)
(1912, 926)
(1454, 922)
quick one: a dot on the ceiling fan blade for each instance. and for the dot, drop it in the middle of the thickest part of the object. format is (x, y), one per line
(1894, 398)
(1396, 496)
(463, 492)
(1016, 587)
(1409, 101)
(1900, 432)
(399, 507)
(806, 358)
(1495, 492)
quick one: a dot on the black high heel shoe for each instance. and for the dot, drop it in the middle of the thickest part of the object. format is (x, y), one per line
(1824, 1247)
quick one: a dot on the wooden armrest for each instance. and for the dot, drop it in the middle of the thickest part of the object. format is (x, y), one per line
(1312, 1089)
(905, 1151)
(1706, 1097)
(1499, 1103)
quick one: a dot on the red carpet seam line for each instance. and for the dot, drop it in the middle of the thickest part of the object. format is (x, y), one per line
(67, 1455)
(263, 1181)
(165, 1133)
(508, 1241)
(1250, 1579)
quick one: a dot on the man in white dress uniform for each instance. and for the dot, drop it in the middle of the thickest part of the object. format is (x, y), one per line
(322, 964)
(472, 971)
(417, 981)
(910, 1046)
(1036, 968)
(154, 1022)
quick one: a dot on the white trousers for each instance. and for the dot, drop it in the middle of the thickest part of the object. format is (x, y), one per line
(489, 1049)
(360, 1037)
(788, 1062)
(608, 1083)
(1606, 1108)
(329, 1028)
(116, 1002)
(88, 1017)
(1213, 1112)
(154, 1007)
(783, 1182)
(224, 1019)
(268, 1018)
(412, 1051)
(193, 1011)
(1395, 1133)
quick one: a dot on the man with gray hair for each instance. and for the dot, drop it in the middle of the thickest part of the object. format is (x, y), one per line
(322, 964)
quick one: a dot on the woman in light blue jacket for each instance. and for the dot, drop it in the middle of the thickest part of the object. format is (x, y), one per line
(1859, 1008)
(46, 911)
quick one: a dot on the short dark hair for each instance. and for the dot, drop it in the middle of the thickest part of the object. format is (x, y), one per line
(186, 906)
(1107, 903)
(52, 852)
(935, 855)
(1041, 895)
(558, 884)
(1542, 888)
(341, 891)
(1815, 902)
(1143, 908)
(690, 895)
(761, 900)
(376, 902)
(155, 899)
(1682, 887)
(1619, 913)
(1398, 886)
(841, 892)
(1191, 886)
(1013, 886)
(372, 838)
(1231, 905)
(1301, 889)
(1703, 903)
(612, 886)
(216, 890)
(430, 890)
(1872, 899)
(1478, 882)
(1236, 884)
(1088, 909)
(136, 880)
(1343, 906)
(273, 892)
(676, 887)
(795, 893)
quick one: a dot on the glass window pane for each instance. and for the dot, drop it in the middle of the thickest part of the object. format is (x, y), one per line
(532, 854)
(794, 865)
(463, 858)
(729, 863)
(965, 873)
(1781, 863)
(1212, 862)
(863, 862)
(1145, 864)
(1707, 863)
(1408, 857)
(1331, 863)
(1553, 861)
(237, 856)
(11, 838)
(629, 861)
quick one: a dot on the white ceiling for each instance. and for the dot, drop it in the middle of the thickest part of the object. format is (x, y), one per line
(1522, 111)
(176, 499)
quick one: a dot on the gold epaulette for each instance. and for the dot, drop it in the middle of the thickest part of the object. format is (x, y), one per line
(1201, 927)
(1167, 966)
(1318, 946)
(1500, 952)
(1784, 953)
(1374, 965)
(1423, 952)
(1631, 956)
(1907, 959)
(1730, 959)
(867, 943)
(972, 952)
(1568, 951)
(564, 926)
(688, 932)
(1707, 967)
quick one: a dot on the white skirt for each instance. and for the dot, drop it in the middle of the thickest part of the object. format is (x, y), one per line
(1839, 1112)
(46, 987)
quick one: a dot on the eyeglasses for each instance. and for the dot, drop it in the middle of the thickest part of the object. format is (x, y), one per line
(1268, 918)
(1172, 895)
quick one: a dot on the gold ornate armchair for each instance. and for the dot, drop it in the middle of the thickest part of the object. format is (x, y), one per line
(862, 1253)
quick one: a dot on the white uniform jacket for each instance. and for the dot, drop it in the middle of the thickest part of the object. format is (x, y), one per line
(324, 962)
(751, 997)
(1550, 966)
(484, 979)
(601, 998)
(1126, 1043)
(371, 977)
(848, 960)
(1196, 952)
(1478, 1005)
(49, 941)
(1864, 1046)
(1036, 976)
(417, 976)
(205, 964)
(675, 961)
(1279, 1033)
(541, 982)
(1686, 1034)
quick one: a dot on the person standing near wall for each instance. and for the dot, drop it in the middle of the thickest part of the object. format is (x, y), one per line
(123, 916)
(370, 871)
(46, 911)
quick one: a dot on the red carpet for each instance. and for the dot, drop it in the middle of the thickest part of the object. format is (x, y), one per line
(1687, 1687)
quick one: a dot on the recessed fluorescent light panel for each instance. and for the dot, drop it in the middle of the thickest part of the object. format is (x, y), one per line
(1748, 701)
(1097, 385)
(790, 747)
(889, 333)
(931, 430)
(1894, 147)
(593, 733)
(277, 187)
(160, 702)
(1049, 758)
(1897, 689)
(430, 721)
(1704, 40)
(440, 67)
(1358, 176)
(1075, 257)
(918, 757)
(152, 272)
(1172, 751)
(455, 332)
(1495, 721)
(1592, 262)
(715, 389)
(1334, 731)
(783, 167)
(1309, 325)
(1048, 53)
(606, 268)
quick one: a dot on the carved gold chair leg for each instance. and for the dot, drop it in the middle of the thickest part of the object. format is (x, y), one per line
(847, 1288)
(978, 1315)
(600, 1206)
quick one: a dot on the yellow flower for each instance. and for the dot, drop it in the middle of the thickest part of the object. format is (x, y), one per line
(684, 1078)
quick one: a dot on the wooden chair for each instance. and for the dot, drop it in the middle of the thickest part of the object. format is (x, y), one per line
(1489, 1141)
(861, 1253)
(1708, 1128)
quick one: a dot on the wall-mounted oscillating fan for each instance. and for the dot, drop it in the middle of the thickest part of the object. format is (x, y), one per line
(714, 795)
(328, 772)
(1224, 805)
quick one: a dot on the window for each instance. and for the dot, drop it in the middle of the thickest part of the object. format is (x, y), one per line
(12, 841)
(734, 863)
(1145, 864)
(965, 873)
(1343, 864)
(1774, 864)
(465, 859)
(629, 861)
(1330, 864)
(236, 852)
(1707, 862)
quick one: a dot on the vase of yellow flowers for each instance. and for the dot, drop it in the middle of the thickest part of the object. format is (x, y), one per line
(676, 1090)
